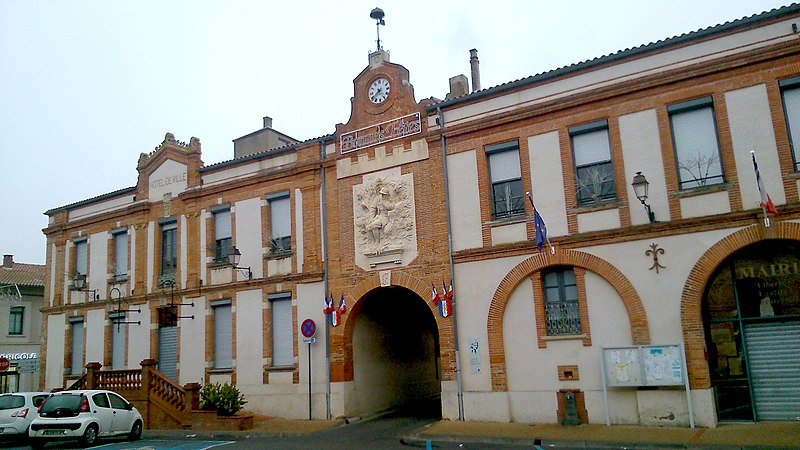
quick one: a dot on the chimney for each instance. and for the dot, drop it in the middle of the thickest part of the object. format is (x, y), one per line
(8, 261)
(458, 86)
(476, 71)
(267, 122)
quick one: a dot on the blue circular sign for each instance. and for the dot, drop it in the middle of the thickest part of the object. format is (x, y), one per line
(308, 328)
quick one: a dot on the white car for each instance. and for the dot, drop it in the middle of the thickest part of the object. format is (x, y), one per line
(17, 410)
(84, 415)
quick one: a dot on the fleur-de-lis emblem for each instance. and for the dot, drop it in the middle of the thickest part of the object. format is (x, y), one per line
(654, 252)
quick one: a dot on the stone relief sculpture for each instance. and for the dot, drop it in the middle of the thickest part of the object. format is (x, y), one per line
(384, 217)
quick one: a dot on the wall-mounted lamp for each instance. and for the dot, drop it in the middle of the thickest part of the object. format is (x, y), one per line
(640, 188)
(117, 315)
(233, 257)
(79, 284)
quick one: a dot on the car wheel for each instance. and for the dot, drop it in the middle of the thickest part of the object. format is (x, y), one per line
(89, 436)
(136, 431)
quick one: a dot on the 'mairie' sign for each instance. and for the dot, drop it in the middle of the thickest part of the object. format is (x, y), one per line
(379, 133)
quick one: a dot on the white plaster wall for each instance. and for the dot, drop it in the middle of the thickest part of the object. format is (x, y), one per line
(641, 149)
(660, 292)
(139, 338)
(506, 234)
(547, 181)
(462, 183)
(169, 178)
(607, 219)
(751, 129)
(279, 266)
(298, 228)
(151, 243)
(487, 406)
(705, 205)
(243, 171)
(98, 264)
(101, 207)
(192, 341)
(56, 335)
(249, 361)
(95, 335)
(248, 236)
(480, 280)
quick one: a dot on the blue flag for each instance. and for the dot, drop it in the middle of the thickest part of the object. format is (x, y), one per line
(541, 229)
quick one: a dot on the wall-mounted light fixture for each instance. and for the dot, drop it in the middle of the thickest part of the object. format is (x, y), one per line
(640, 188)
(233, 257)
(79, 284)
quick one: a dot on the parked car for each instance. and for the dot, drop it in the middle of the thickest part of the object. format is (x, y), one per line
(85, 416)
(17, 410)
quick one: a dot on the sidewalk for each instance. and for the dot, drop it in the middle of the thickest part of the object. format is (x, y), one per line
(772, 435)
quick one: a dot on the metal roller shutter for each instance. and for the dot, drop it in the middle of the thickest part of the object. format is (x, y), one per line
(168, 351)
(773, 351)
(282, 335)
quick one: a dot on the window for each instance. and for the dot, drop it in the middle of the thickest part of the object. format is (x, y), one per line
(101, 400)
(223, 334)
(694, 135)
(15, 320)
(120, 253)
(282, 350)
(118, 335)
(117, 402)
(223, 241)
(169, 250)
(506, 179)
(562, 315)
(790, 92)
(80, 257)
(594, 173)
(76, 332)
(280, 223)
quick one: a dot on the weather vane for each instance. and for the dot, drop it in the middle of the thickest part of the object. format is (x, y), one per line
(378, 14)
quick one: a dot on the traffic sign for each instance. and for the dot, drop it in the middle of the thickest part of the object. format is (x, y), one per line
(310, 340)
(308, 328)
(4, 364)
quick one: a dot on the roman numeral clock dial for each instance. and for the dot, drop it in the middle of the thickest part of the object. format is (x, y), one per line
(378, 91)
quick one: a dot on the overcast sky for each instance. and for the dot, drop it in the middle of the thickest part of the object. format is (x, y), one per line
(86, 86)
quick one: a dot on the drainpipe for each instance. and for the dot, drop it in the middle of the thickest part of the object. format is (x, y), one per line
(324, 219)
(459, 390)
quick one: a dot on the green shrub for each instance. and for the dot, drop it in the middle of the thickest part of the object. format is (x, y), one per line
(225, 399)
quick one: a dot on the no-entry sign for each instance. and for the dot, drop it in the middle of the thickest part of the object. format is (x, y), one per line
(308, 328)
(4, 364)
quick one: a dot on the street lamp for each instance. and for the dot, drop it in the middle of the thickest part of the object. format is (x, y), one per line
(233, 257)
(640, 188)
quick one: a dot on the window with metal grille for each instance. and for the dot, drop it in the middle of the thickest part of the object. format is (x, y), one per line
(506, 178)
(562, 315)
(280, 223)
(694, 135)
(594, 172)
(223, 240)
(15, 320)
(790, 93)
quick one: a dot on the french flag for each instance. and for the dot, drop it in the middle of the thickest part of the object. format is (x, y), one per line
(445, 305)
(331, 312)
(342, 306)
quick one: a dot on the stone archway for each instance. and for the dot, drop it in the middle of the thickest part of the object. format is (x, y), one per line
(638, 319)
(694, 290)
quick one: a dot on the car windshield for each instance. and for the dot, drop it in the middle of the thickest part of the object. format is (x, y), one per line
(11, 401)
(69, 402)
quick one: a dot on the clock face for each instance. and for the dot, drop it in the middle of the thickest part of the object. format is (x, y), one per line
(379, 91)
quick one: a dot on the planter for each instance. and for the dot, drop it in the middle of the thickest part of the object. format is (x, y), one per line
(210, 421)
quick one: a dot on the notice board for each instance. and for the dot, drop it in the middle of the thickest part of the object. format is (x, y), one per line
(644, 365)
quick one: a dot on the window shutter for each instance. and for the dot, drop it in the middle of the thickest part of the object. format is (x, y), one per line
(280, 217)
(120, 254)
(282, 349)
(222, 224)
(80, 257)
(223, 337)
(118, 335)
(504, 166)
(77, 348)
(590, 148)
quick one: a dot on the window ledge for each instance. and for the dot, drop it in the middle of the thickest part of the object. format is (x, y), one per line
(569, 337)
(702, 190)
(279, 369)
(219, 264)
(597, 206)
(280, 255)
(508, 220)
(118, 280)
(220, 371)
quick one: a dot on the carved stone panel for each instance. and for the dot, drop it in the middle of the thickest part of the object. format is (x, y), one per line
(384, 220)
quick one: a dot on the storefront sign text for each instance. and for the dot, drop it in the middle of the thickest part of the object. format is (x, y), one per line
(383, 132)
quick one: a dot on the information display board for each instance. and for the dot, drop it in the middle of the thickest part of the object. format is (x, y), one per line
(644, 365)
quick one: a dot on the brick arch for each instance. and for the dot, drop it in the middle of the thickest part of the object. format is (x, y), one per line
(341, 338)
(694, 290)
(633, 304)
